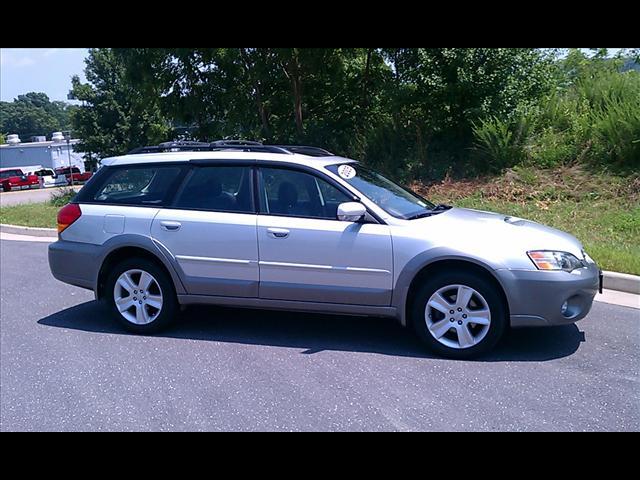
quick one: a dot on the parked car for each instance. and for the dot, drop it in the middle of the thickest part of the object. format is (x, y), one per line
(50, 179)
(13, 178)
(78, 177)
(297, 228)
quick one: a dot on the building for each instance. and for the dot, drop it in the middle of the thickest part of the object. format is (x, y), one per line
(30, 156)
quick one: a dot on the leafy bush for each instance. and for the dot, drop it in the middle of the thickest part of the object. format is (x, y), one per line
(59, 198)
(504, 142)
(594, 120)
(616, 127)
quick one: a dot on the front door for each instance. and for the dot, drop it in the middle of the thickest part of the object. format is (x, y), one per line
(306, 254)
(211, 232)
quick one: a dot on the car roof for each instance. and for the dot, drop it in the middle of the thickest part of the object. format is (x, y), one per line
(230, 155)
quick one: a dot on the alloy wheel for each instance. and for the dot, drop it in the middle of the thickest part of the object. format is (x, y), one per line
(457, 316)
(138, 297)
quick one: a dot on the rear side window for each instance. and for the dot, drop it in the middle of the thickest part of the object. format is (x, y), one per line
(153, 185)
(222, 189)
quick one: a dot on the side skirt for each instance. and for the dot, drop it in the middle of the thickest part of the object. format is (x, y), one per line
(267, 304)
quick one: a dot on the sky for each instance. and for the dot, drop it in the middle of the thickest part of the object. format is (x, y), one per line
(47, 70)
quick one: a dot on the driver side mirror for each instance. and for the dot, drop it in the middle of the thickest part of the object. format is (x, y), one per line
(351, 212)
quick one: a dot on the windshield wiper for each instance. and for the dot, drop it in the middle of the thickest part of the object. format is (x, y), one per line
(428, 213)
(441, 207)
(435, 210)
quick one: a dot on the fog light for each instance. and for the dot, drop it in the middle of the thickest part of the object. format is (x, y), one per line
(564, 308)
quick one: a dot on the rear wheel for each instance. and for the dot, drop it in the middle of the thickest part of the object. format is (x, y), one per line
(141, 296)
(458, 315)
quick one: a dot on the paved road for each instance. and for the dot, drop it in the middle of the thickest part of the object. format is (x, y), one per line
(66, 366)
(28, 196)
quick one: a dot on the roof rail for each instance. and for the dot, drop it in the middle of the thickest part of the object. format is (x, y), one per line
(307, 150)
(235, 142)
(238, 145)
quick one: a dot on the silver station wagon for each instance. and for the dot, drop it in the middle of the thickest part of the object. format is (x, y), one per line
(296, 228)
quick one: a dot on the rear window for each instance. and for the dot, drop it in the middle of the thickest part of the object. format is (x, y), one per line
(11, 173)
(149, 185)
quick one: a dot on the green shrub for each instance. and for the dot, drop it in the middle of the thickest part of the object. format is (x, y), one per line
(503, 142)
(59, 198)
(616, 127)
(550, 148)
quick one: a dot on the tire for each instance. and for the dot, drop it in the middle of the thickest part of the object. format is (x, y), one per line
(141, 318)
(454, 343)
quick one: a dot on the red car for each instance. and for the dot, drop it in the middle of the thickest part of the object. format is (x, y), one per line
(77, 176)
(15, 178)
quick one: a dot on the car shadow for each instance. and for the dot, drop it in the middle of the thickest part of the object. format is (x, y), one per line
(314, 333)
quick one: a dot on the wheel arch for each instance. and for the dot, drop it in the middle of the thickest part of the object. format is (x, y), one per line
(137, 248)
(413, 275)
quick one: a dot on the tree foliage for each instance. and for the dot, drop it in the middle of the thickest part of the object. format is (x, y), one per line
(114, 116)
(34, 114)
(410, 111)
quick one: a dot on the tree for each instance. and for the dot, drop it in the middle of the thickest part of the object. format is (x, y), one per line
(114, 117)
(33, 114)
(441, 92)
(280, 95)
(408, 110)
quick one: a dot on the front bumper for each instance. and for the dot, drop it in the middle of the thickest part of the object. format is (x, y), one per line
(536, 297)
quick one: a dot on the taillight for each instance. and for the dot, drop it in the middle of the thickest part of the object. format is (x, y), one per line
(67, 215)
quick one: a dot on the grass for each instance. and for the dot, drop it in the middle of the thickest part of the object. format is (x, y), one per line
(37, 214)
(602, 210)
(30, 215)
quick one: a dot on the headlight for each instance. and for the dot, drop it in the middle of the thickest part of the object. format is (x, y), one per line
(549, 260)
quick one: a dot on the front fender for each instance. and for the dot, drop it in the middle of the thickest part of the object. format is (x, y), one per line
(424, 260)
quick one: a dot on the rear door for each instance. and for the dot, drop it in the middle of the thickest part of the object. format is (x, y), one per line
(210, 229)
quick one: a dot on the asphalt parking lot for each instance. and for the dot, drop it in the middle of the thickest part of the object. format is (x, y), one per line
(32, 195)
(66, 366)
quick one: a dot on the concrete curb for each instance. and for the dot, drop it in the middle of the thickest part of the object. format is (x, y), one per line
(622, 282)
(32, 231)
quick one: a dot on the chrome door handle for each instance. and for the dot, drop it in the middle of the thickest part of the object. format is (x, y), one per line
(170, 226)
(277, 232)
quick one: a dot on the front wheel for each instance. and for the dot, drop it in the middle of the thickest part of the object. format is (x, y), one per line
(141, 296)
(458, 315)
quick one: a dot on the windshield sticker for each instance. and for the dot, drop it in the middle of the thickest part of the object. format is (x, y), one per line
(346, 171)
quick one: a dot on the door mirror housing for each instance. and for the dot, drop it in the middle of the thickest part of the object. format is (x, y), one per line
(351, 211)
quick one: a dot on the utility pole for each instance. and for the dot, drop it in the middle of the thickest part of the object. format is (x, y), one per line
(67, 136)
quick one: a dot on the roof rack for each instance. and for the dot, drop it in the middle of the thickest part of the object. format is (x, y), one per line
(306, 150)
(238, 145)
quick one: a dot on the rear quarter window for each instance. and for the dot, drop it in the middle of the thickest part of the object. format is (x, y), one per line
(134, 185)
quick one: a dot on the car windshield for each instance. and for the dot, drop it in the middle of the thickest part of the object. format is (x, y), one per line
(388, 195)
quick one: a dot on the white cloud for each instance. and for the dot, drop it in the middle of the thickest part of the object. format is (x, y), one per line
(8, 59)
(50, 51)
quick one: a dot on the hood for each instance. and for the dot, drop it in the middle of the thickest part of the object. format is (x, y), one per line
(493, 235)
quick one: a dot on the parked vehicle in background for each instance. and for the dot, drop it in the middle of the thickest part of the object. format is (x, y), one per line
(15, 178)
(50, 178)
(78, 176)
(297, 228)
